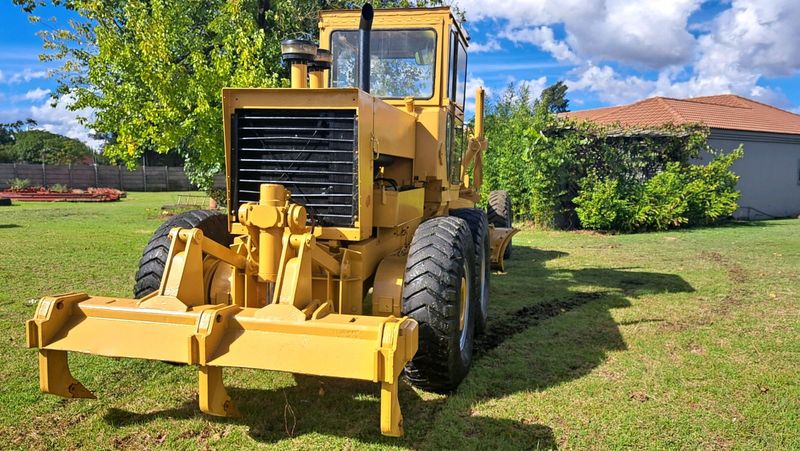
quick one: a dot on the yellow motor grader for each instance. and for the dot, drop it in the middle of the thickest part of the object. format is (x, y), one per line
(351, 246)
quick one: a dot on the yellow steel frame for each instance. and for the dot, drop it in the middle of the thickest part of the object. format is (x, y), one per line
(282, 297)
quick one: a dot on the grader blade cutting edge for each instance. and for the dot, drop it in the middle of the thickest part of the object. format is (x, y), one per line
(215, 336)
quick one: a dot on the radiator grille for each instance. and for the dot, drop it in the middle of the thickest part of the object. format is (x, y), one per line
(313, 153)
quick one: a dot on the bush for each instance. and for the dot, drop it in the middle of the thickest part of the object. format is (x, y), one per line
(543, 160)
(681, 195)
(663, 204)
(711, 189)
(58, 188)
(18, 184)
(603, 205)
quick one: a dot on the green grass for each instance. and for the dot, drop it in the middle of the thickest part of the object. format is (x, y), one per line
(686, 339)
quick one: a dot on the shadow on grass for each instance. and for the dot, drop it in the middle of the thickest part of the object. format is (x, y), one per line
(346, 409)
(510, 357)
(741, 223)
(10, 226)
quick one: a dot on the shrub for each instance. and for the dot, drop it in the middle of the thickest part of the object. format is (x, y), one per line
(543, 160)
(603, 205)
(58, 188)
(663, 204)
(681, 195)
(711, 189)
(17, 184)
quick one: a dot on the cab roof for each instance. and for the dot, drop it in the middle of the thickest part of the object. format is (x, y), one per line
(392, 18)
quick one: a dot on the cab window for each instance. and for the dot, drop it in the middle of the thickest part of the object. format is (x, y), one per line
(457, 79)
(461, 75)
(402, 62)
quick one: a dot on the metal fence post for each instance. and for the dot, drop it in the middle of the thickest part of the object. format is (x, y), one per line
(119, 176)
(44, 174)
(166, 178)
(16, 174)
(144, 177)
(69, 174)
(96, 177)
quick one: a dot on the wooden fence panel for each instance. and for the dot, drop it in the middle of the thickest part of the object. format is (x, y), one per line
(7, 172)
(32, 172)
(151, 178)
(82, 176)
(109, 176)
(57, 175)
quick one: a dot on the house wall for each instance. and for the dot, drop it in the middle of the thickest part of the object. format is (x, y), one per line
(769, 172)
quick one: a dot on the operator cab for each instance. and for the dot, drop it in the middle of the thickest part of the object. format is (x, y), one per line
(418, 60)
(420, 55)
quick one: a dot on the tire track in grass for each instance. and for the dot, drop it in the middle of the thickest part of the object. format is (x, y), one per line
(516, 322)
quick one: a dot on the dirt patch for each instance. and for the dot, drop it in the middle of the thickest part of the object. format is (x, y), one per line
(736, 273)
(518, 321)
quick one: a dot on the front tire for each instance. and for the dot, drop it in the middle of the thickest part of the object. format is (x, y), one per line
(437, 289)
(154, 257)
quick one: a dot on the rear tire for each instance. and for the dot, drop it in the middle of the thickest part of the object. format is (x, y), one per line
(479, 226)
(437, 289)
(151, 266)
(500, 213)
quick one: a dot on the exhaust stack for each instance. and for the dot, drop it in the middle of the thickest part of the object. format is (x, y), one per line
(364, 29)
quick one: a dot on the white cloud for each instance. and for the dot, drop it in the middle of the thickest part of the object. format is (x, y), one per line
(492, 45)
(610, 41)
(748, 41)
(36, 94)
(639, 32)
(59, 119)
(544, 38)
(472, 85)
(26, 75)
(535, 86)
(645, 33)
(610, 86)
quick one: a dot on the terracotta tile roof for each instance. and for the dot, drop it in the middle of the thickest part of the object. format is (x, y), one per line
(726, 111)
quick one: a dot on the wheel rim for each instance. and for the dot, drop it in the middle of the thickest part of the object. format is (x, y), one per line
(464, 316)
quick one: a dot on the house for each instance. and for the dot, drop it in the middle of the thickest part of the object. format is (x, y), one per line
(769, 172)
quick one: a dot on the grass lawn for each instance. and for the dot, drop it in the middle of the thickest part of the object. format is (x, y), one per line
(686, 339)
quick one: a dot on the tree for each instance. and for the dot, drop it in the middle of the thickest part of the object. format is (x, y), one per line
(152, 70)
(554, 98)
(8, 133)
(33, 146)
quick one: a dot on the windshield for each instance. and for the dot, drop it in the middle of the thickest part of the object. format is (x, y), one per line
(401, 63)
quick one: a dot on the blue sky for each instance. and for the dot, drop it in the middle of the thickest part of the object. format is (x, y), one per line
(608, 51)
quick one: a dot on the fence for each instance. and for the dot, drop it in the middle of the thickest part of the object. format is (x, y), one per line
(145, 178)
